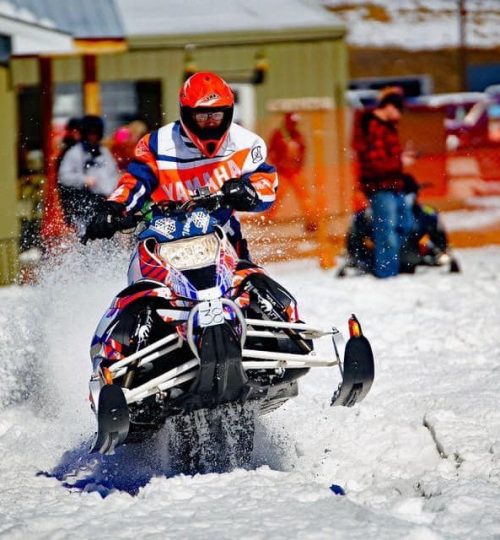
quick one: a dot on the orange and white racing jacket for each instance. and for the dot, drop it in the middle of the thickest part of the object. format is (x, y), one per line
(169, 167)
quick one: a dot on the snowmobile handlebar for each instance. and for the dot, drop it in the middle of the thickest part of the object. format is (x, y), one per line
(117, 223)
(208, 201)
(127, 222)
(200, 199)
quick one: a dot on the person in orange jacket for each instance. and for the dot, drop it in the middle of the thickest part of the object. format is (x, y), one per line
(287, 151)
(204, 149)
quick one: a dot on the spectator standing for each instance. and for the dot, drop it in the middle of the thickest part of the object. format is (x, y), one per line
(287, 152)
(87, 173)
(381, 158)
(124, 140)
(71, 136)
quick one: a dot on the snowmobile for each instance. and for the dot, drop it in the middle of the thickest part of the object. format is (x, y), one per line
(199, 329)
(427, 246)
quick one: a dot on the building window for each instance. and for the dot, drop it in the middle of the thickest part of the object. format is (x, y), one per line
(5, 48)
(244, 104)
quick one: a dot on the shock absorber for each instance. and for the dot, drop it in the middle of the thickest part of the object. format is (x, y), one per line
(139, 341)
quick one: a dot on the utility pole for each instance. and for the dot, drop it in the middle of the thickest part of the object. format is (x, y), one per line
(462, 45)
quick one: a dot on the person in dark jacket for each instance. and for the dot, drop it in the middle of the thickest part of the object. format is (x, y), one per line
(72, 135)
(380, 159)
(87, 174)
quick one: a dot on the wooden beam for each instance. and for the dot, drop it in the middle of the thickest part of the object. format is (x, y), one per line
(52, 222)
(100, 46)
(91, 87)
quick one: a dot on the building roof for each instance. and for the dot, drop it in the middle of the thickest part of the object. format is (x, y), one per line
(190, 17)
(23, 33)
(84, 19)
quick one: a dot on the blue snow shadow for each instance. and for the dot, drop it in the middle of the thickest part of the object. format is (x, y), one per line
(129, 469)
(134, 465)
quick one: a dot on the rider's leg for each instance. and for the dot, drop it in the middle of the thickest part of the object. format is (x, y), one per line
(266, 299)
(408, 231)
(264, 295)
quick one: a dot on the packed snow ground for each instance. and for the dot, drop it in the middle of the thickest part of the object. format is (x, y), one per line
(418, 459)
(483, 212)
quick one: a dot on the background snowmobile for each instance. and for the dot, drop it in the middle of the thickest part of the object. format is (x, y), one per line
(428, 246)
(197, 328)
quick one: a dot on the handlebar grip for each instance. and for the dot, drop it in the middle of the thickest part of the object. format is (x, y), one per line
(114, 224)
(126, 222)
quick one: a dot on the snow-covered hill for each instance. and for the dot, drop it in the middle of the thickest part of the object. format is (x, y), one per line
(417, 24)
(418, 459)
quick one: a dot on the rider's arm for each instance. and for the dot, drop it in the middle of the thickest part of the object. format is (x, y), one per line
(141, 179)
(260, 176)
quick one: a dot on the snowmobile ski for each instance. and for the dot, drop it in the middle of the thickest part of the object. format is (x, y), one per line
(112, 420)
(358, 369)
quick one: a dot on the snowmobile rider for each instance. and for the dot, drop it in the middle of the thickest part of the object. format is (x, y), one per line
(202, 149)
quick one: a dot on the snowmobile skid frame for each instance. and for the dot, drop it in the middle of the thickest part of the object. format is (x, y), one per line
(357, 372)
(350, 267)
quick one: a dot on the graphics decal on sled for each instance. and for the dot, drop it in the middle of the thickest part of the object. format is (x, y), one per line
(197, 328)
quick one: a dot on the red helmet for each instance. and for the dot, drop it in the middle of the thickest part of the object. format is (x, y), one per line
(205, 92)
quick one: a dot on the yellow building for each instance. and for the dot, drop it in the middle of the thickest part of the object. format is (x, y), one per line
(278, 55)
(21, 34)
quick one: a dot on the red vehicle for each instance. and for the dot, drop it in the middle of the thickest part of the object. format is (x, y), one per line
(468, 117)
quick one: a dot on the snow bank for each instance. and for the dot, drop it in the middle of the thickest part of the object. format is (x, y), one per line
(417, 24)
(418, 459)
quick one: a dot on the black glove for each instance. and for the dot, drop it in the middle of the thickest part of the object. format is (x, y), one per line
(239, 194)
(103, 224)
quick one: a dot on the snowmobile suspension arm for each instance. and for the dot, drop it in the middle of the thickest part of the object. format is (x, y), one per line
(187, 371)
(285, 360)
(171, 378)
(306, 330)
(171, 338)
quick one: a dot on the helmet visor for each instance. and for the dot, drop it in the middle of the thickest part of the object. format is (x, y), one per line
(207, 123)
(201, 118)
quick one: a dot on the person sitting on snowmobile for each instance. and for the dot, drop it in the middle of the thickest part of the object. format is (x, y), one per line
(429, 240)
(204, 149)
(427, 245)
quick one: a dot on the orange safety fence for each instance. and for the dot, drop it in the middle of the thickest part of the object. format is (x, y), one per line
(449, 179)
(312, 207)
(450, 174)
(53, 226)
(313, 210)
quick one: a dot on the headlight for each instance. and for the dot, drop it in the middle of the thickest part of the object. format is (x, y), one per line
(191, 253)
